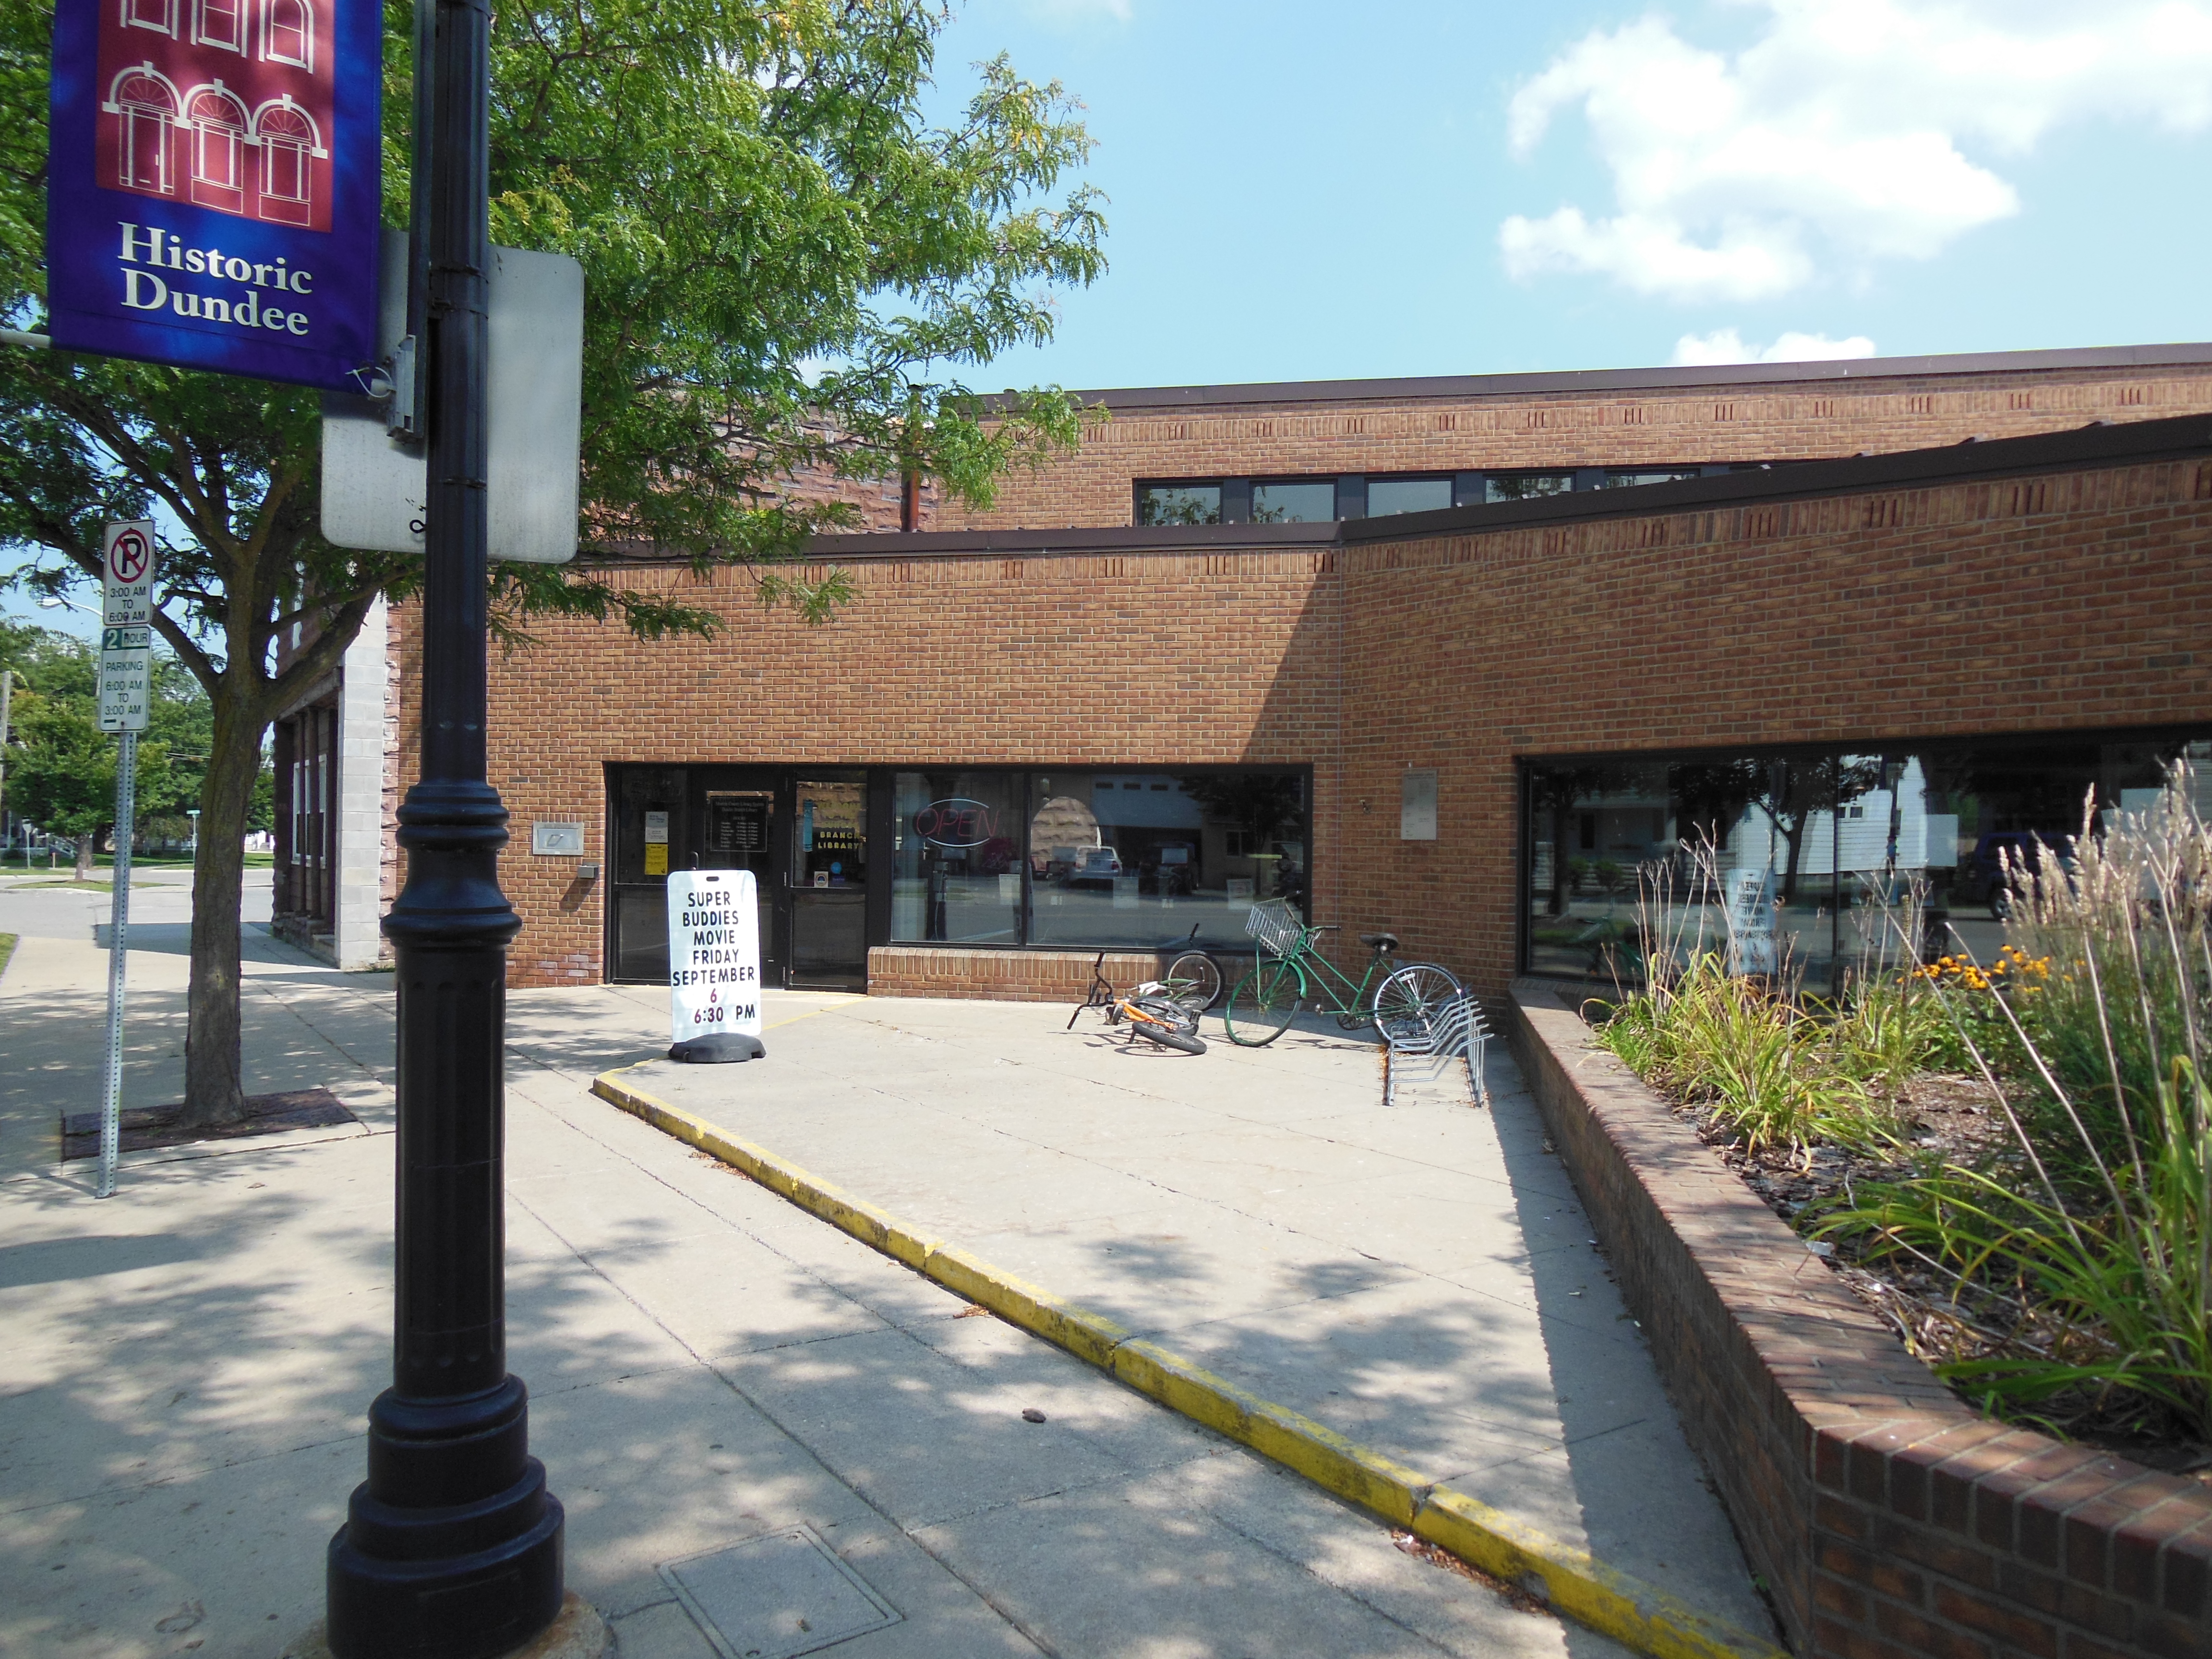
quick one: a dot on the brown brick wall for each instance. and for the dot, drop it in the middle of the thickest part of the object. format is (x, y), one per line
(1886, 1519)
(909, 970)
(1675, 426)
(2073, 600)
(1132, 659)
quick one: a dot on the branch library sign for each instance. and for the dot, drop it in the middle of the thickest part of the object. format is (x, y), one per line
(214, 170)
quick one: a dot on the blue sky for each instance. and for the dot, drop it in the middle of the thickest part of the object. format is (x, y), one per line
(1302, 191)
(1307, 191)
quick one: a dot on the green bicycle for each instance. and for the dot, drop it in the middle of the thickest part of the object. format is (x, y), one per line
(1292, 973)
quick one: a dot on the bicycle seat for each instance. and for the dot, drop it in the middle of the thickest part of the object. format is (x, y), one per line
(1380, 941)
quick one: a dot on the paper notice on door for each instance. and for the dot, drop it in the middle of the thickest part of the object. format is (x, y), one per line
(656, 858)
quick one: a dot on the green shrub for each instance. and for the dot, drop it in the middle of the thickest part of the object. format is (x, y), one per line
(1710, 1037)
(1889, 1029)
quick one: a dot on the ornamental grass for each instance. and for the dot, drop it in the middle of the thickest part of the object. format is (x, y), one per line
(2090, 1032)
(2079, 1249)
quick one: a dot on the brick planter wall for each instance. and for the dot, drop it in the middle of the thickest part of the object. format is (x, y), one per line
(1885, 1517)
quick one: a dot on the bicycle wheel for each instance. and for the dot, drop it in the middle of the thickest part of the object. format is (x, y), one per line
(1188, 1043)
(1169, 1010)
(1264, 1003)
(1196, 978)
(1408, 1000)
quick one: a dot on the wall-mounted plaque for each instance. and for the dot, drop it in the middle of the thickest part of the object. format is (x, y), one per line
(556, 839)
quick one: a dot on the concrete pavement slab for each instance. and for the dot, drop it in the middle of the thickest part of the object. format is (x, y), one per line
(188, 1362)
(1422, 1279)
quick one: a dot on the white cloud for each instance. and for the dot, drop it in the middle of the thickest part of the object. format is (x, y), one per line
(1841, 136)
(1725, 345)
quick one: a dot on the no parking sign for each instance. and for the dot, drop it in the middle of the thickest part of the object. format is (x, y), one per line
(713, 954)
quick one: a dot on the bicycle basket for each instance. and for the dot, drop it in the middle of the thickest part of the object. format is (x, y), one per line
(1276, 926)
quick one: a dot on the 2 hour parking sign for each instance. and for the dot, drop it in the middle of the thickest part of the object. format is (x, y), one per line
(127, 634)
(713, 953)
(213, 175)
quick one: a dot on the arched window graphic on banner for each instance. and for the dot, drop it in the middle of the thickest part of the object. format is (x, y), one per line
(287, 33)
(289, 146)
(218, 124)
(236, 56)
(144, 107)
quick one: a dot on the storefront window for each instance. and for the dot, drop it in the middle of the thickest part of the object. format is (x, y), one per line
(956, 858)
(1141, 858)
(1806, 847)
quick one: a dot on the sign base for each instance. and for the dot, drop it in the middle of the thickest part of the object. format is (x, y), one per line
(719, 1048)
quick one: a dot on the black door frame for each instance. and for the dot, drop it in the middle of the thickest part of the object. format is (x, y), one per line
(688, 842)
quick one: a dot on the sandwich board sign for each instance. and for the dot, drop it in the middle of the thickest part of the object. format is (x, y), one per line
(214, 168)
(713, 965)
(126, 631)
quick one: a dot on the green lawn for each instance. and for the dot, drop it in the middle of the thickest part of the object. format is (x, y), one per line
(182, 861)
(7, 949)
(107, 886)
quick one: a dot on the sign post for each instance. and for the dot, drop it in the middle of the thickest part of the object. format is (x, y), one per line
(713, 966)
(213, 176)
(452, 1548)
(126, 580)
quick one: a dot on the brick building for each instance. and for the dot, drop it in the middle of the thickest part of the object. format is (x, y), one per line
(1449, 657)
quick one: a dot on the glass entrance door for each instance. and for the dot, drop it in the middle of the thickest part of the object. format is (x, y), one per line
(828, 880)
(803, 834)
(738, 816)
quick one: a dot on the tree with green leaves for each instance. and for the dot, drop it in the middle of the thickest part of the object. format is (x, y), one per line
(787, 269)
(61, 766)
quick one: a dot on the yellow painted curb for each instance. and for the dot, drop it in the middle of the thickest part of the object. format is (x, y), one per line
(1085, 1335)
(856, 1216)
(1577, 1584)
(1321, 1454)
(1571, 1580)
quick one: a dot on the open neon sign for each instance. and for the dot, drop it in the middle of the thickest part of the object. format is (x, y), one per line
(957, 822)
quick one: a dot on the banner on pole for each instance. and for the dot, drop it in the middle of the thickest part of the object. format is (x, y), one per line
(126, 632)
(213, 179)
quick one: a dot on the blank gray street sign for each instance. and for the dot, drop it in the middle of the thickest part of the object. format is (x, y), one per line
(374, 489)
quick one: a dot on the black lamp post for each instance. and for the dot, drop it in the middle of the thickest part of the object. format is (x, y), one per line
(452, 1548)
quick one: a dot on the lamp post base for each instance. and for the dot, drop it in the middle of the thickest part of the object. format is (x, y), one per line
(578, 1632)
(452, 1546)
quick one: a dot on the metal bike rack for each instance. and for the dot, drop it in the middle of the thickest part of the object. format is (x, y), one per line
(1459, 1032)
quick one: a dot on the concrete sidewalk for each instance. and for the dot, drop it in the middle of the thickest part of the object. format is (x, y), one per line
(1422, 1279)
(187, 1365)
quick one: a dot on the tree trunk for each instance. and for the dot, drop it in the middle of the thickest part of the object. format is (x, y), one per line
(215, 1089)
(84, 847)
